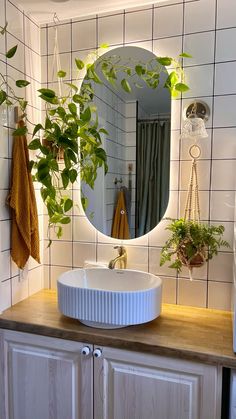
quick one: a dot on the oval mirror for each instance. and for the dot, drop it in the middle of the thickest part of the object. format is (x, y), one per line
(132, 197)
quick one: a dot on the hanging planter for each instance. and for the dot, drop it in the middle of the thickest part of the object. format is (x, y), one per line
(192, 243)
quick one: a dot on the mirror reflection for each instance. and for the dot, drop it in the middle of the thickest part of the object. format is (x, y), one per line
(132, 197)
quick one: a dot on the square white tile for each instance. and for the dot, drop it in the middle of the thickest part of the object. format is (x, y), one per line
(192, 293)
(168, 47)
(110, 30)
(84, 35)
(225, 82)
(222, 205)
(83, 230)
(63, 36)
(138, 26)
(5, 295)
(223, 175)
(219, 295)
(224, 145)
(83, 252)
(193, 45)
(168, 21)
(199, 16)
(20, 289)
(5, 265)
(203, 167)
(35, 280)
(169, 290)
(61, 253)
(14, 17)
(154, 264)
(225, 48)
(221, 267)
(200, 80)
(55, 272)
(203, 202)
(228, 117)
(137, 258)
(226, 13)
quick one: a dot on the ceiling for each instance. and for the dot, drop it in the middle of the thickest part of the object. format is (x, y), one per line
(42, 11)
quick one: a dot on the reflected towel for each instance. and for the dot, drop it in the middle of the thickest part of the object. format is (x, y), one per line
(120, 226)
(24, 224)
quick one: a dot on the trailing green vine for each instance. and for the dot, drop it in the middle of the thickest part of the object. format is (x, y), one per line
(71, 126)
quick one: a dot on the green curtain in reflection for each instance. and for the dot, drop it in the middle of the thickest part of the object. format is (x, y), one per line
(152, 175)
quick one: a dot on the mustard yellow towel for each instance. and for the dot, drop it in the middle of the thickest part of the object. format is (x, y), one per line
(24, 224)
(120, 226)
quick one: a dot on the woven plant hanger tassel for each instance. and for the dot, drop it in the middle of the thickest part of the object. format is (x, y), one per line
(192, 206)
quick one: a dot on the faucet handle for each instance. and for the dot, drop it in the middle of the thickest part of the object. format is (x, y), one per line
(121, 250)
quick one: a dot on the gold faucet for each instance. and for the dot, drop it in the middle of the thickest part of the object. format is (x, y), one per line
(121, 258)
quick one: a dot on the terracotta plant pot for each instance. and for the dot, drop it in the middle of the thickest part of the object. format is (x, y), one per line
(196, 261)
(58, 152)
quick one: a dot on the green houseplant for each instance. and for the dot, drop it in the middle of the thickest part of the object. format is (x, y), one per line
(71, 126)
(191, 244)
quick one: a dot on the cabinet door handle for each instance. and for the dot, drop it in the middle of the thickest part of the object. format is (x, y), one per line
(97, 353)
(85, 351)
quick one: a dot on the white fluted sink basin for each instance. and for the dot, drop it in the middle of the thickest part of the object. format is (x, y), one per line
(109, 299)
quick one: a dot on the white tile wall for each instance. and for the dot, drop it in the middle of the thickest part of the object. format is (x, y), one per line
(25, 64)
(165, 29)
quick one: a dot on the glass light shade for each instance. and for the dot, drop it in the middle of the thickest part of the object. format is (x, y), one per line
(194, 128)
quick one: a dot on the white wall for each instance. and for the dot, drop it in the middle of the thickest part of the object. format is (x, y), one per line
(207, 30)
(25, 64)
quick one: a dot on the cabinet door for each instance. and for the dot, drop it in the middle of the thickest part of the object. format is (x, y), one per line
(131, 385)
(44, 378)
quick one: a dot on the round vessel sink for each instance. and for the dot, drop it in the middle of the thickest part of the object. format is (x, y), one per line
(109, 299)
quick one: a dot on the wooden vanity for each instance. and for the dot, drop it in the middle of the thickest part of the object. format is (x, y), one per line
(53, 367)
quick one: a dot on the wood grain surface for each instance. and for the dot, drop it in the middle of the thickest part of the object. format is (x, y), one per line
(182, 332)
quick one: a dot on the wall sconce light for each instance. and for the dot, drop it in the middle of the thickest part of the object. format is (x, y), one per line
(195, 116)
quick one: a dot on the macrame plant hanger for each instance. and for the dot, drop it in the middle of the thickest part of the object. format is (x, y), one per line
(56, 65)
(192, 206)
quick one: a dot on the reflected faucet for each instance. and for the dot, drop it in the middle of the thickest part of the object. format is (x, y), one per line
(121, 258)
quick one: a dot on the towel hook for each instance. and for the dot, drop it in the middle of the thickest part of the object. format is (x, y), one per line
(116, 180)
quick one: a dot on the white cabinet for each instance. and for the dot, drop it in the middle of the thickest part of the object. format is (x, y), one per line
(48, 378)
(44, 378)
(140, 386)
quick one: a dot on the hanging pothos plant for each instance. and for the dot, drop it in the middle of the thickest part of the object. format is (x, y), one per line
(71, 124)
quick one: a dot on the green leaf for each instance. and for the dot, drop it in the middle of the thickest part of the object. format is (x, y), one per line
(104, 131)
(3, 96)
(79, 64)
(48, 123)
(61, 74)
(185, 55)
(23, 104)
(104, 46)
(125, 85)
(65, 178)
(181, 87)
(20, 131)
(65, 220)
(77, 99)
(73, 175)
(171, 80)
(22, 83)
(72, 108)
(53, 165)
(37, 128)
(47, 93)
(140, 70)
(164, 60)
(72, 86)
(11, 52)
(86, 115)
(68, 205)
(35, 144)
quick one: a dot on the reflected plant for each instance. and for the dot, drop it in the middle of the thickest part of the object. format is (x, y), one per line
(71, 127)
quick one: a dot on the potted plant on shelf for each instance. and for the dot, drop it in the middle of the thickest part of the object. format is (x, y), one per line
(71, 126)
(191, 244)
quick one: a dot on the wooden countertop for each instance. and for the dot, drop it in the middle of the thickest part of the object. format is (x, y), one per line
(182, 332)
